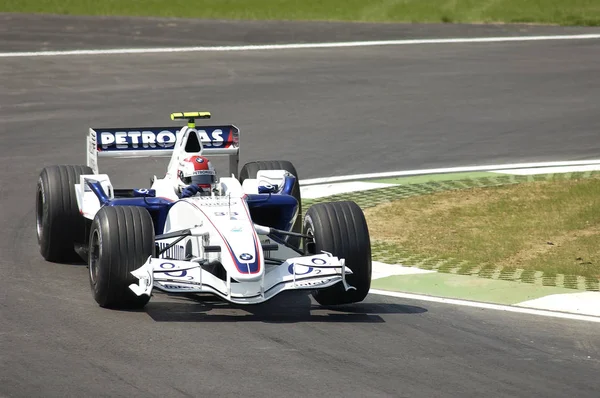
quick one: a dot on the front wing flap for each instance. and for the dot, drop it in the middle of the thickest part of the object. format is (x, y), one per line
(307, 272)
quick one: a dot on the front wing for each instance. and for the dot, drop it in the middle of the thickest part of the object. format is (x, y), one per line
(307, 272)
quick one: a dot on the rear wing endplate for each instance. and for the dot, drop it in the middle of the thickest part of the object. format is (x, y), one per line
(160, 142)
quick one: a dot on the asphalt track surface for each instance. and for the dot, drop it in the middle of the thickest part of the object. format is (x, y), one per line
(331, 112)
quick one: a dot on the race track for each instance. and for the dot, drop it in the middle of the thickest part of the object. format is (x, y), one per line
(331, 112)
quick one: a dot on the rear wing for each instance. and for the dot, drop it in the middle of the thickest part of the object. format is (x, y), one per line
(161, 141)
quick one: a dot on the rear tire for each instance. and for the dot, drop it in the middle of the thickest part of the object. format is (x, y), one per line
(121, 240)
(250, 170)
(340, 228)
(59, 223)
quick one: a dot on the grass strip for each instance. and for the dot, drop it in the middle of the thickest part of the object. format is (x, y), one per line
(559, 12)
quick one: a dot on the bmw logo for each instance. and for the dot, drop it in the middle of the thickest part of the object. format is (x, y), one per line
(246, 256)
(200, 160)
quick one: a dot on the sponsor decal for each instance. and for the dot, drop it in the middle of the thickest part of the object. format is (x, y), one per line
(164, 139)
(203, 172)
(175, 274)
(177, 287)
(291, 269)
(143, 192)
(246, 256)
(211, 138)
(157, 138)
(222, 213)
(237, 228)
(312, 283)
(91, 149)
(318, 261)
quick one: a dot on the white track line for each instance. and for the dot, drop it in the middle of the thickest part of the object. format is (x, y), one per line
(299, 45)
(488, 306)
(391, 174)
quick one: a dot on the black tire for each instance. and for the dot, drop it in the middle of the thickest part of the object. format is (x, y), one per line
(340, 228)
(121, 240)
(59, 224)
(250, 170)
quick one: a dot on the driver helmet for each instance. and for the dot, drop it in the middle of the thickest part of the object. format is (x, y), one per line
(197, 170)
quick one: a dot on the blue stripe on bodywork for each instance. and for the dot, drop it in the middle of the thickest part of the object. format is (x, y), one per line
(250, 268)
(243, 267)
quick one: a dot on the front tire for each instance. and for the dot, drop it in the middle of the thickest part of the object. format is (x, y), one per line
(121, 240)
(59, 224)
(340, 228)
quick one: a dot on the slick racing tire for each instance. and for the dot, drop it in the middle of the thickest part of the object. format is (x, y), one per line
(121, 240)
(250, 170)
(59, 224)
(340, 228)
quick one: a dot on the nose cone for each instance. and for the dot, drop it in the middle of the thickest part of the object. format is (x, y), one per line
(244, 251)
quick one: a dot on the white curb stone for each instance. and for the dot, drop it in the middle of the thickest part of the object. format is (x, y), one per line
(319, 191)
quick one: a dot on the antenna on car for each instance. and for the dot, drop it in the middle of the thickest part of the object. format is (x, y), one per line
(191, 117)
(229, 203)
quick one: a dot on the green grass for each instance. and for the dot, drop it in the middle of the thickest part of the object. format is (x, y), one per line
(576, 255)
(562, 12)
(549, 226)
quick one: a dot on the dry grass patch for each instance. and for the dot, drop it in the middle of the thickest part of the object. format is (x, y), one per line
(551, 226)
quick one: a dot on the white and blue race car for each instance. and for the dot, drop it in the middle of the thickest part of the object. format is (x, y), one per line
(245, 242)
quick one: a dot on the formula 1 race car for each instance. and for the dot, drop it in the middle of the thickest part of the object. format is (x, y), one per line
(245, 241)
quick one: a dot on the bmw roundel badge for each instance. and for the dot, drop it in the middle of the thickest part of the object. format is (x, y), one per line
(246, 256)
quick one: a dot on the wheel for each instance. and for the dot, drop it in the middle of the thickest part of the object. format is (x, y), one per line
(250, 170)
(121, 240)
(340, 228)
(58, 221)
